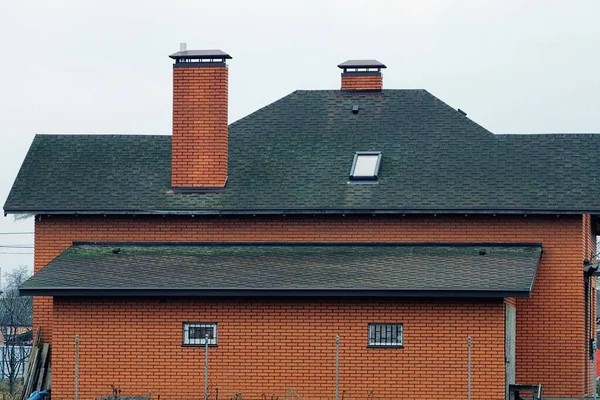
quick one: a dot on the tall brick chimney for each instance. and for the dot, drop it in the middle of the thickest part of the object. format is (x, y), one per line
(362, 75)
(199, 143)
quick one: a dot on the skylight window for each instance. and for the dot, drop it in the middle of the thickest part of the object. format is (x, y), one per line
(365, 165)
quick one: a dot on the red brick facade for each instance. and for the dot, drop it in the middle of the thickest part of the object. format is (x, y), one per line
(271, 346)
(552, 336)
(199, 149)
(362, 82)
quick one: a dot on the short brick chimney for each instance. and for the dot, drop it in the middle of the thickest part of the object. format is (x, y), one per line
(199, 143)
(362, 75)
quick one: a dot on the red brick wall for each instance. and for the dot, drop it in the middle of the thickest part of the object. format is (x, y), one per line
(362, 82)
(510, 300)
(551, 335)
(199, 149)
(271, 346)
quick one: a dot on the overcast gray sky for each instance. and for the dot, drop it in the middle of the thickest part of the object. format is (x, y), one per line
(514, 66)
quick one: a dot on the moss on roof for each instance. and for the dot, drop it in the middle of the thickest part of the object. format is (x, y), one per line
(295, 155)
(98, 268)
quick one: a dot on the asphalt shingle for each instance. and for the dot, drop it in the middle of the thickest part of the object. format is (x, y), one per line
(295, 155)
(424, 270)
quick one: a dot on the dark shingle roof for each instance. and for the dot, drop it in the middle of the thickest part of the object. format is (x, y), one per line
(476, 270)
(295, 156)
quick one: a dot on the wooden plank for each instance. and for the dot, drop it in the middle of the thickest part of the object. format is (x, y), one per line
(40, 380)
(42, 367)
(47, 379)
(29, 372)
(34, 347)
(32, 376)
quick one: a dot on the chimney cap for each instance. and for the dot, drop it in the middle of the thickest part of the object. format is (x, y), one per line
(200, 55)
(361, 64)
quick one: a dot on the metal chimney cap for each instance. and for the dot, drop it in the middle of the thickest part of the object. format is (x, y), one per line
(200, 55)
(361, 64)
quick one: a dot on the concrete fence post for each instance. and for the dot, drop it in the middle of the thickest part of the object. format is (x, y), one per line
(337, 367)
(469, 368)
(206, 367)
(77, 367)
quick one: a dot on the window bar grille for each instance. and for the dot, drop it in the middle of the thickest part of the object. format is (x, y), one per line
(385, 335)
(199, 334)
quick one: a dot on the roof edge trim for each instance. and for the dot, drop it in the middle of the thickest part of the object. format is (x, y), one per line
(517, 211)
(272, 293)
(311, 244)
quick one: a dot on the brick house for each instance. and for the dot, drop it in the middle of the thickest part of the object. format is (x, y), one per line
(384, 217)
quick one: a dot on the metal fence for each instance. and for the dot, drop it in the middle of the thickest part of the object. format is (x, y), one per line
(19, 358)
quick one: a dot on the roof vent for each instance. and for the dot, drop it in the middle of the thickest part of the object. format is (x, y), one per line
(462, 112)
(354, 109)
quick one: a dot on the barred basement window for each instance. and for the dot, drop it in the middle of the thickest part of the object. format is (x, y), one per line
(195, 333)
(385, 335)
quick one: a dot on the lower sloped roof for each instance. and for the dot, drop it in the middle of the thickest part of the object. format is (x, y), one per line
(288, 270)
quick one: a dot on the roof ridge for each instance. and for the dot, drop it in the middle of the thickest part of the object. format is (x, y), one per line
(362, 91)
(264, 108)
(469, 120)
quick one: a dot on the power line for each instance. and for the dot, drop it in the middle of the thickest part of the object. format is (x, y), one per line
(16, 246)
(7, 252)
(16, 233)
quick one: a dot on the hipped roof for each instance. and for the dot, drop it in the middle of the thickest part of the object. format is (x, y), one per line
(295, 155)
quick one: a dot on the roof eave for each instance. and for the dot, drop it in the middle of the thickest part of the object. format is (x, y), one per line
(273, 293)
(312, 211)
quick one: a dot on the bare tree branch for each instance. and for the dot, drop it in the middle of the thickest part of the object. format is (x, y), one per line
(16, 314)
